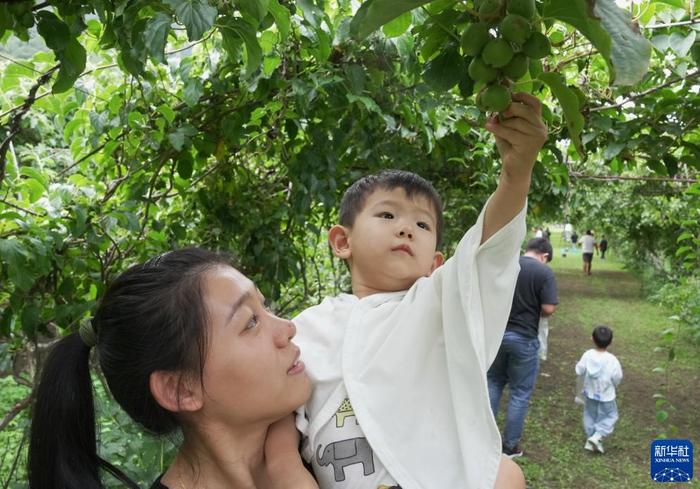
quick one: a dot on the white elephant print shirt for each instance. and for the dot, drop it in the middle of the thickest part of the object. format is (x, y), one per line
(342, 457)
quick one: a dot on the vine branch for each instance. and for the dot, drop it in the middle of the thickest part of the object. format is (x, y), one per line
(16, 409)
(17, 118)
(692, 75)
(615, 178)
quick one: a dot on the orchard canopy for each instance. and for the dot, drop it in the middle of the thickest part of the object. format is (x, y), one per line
(131, 127)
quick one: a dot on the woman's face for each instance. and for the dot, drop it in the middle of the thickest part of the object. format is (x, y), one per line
(252, 370)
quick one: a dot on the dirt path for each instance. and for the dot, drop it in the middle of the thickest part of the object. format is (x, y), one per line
(553, 439)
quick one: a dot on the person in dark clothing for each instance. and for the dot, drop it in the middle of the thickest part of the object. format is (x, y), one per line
(517, 361)
(603, 246)
(185, 343)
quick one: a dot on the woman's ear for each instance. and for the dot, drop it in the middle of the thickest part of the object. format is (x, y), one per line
(174, 392)
(339, 239)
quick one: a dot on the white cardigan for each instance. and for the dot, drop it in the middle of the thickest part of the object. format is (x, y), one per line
(414, 364)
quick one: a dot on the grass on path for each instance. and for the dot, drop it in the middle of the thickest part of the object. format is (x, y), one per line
(553, 439)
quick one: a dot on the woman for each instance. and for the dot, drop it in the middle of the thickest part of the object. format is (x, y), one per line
(185, 342)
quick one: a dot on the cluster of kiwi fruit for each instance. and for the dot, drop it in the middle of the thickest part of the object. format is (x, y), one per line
(501, 44)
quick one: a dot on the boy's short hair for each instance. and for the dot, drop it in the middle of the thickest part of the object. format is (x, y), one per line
(541, 246)
(356, 195)
(602, 336)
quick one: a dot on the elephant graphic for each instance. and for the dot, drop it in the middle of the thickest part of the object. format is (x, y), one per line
(344, 453)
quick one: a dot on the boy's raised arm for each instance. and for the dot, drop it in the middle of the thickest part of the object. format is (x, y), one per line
(520, 135)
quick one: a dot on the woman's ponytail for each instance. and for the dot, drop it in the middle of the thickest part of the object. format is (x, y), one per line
(63, 446)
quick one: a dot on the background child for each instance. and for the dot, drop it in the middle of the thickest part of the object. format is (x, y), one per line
(399, 366)
(600, 372)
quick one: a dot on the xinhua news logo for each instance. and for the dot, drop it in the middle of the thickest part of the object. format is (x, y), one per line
(671, 461)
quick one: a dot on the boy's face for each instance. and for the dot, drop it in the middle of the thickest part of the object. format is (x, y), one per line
(391, 244)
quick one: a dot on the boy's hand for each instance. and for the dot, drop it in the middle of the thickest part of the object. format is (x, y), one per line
(284, 466)
(520, 134)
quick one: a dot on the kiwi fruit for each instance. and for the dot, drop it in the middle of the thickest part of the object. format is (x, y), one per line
(490, 10)
(537, 46)
(516, 67)
(474, 38)
(515, 28)
(497, 53)
(526, 8)
(494, 98)
(481, 72)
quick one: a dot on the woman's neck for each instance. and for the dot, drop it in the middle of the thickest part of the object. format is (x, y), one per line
(219, 457)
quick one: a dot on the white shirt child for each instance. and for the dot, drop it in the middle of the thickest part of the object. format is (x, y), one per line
(400, 393)
(601, 372)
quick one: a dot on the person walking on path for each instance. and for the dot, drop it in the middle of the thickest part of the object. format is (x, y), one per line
(517, 361)
(600, 372)
(574, 239)
(603, 247)
(588, 246)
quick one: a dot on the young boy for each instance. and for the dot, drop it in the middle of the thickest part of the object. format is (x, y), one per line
(399, 366)
(599, 372)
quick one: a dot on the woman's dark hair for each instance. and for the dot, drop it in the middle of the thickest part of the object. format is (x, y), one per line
(152, 317)
(602, 336)
(356, 195)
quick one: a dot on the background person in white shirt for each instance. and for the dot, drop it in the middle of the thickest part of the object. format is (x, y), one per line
(600, 372)
(588, 246)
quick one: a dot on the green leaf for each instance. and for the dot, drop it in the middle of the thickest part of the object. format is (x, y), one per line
(683, 250)
(570, 105)
(375, 13)
(356, 78)
(193, 91)
(196, 15)
(185, 165)
(234, 30)
(681, 44)
(270, 64)
(445, 70)
(661, 416)
(72, 59)
(55, 32)
(181, 136)
(255, 8)
(398, 26)
(31, 172)
(611, 30)
(167, 112)
(369, 103)
(30, 318)
(685, 235)
(12, 252)
(282, 18)
(156, 35)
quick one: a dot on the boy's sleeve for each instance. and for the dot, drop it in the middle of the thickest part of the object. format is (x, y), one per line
(581, 365)
(497, 265)
(617, 373)
(477, 284)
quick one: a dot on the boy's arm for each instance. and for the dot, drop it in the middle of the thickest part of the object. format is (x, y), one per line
(617, 373)
(282, 459)
(520, 135)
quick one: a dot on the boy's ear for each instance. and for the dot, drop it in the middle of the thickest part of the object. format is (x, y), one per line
(338, 238)
(174, 393)
(438, 260)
